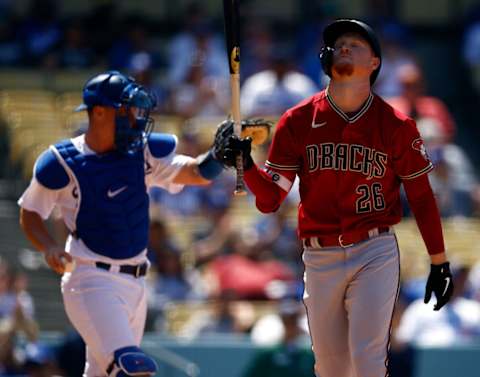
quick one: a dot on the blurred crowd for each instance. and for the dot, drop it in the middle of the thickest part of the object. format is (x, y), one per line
(233, 268)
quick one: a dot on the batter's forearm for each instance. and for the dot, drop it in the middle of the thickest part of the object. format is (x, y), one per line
(35, 230)
(424, 207)
(268, 194)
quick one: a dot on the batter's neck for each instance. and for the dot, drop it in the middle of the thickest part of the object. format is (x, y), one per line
(349, 97)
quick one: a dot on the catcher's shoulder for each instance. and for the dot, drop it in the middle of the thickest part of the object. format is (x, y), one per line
(161, 144)
(49, 171)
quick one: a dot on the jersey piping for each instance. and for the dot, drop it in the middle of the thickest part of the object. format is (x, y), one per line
(282, 167)
(344, 116)
(418, 173)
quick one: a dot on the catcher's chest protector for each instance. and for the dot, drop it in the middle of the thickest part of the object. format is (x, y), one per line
(112, 217)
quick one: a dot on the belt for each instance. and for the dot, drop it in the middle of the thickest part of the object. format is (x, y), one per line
(344, 240)
(136, 271)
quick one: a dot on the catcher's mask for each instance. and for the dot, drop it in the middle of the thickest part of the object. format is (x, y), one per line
(343, 26)
(132, 102)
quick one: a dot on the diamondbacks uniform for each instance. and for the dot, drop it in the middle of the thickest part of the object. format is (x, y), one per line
(105, 294)
(350, 169)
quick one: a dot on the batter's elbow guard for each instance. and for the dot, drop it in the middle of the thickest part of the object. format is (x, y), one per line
(132, 361)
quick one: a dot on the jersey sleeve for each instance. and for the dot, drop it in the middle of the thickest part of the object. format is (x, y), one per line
(38, 198)
(410, 158)
(283, 160)
(162, 163)
(49, 178)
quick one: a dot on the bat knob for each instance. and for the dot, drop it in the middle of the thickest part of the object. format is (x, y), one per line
(240, 192)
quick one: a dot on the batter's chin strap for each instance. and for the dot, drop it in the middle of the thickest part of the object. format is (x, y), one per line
(131, 361)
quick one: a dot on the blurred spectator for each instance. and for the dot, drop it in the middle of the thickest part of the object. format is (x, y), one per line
(200, 94)
(133, 40)
(416, 104)
(290, 353)
(141, 68)
(40, 361)
(226, 316)
(16, 318)
(257, 43)
(395, 55)
(41, 32)
(471, 46)
(74, 51)
(170, 280)
(309, 40)
(271, 329)
(278, 234)
(206, 200)
(245, 269)
(453, 180)
(10, 44)
(457, 323)
(16, 304)
(197, 43)
(274, 90)
(101, 23)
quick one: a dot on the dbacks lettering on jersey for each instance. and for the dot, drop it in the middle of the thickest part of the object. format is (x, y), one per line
(347, 157)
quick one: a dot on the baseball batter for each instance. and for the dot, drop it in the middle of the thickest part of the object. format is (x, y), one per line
(351, 152)
(99, 180)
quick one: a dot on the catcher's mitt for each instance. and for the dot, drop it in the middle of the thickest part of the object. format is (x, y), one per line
(257, 130)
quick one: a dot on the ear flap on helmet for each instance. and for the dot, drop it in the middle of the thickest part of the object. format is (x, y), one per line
(326, 58)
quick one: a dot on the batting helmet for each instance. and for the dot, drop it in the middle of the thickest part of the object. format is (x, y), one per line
(113, 89)
(340, 27)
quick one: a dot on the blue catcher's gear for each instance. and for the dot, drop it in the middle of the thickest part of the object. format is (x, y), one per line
(132, 361)
(133, 123)
(112, 219)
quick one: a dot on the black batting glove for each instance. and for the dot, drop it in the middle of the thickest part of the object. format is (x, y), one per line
(439, 282)
(233, 147)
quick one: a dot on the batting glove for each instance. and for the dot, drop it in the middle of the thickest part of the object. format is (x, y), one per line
(439, 282)
(236, 145)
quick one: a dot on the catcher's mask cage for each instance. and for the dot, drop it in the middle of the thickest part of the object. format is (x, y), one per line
(132, 102)
(343, 26)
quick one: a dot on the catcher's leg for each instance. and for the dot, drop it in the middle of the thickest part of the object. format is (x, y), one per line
(325, 282)
(103, 307)
(370, 301)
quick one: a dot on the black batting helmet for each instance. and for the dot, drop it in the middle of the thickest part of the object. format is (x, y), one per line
(342, 26)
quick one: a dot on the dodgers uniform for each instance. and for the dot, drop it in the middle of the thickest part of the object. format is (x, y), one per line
(103, 202)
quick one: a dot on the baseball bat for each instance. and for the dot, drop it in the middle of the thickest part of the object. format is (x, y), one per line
(232, 36)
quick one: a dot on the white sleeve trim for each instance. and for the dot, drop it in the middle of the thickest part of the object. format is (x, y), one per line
(418, 173)
(284, 183)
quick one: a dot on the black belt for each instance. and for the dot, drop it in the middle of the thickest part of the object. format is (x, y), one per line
(137, 271)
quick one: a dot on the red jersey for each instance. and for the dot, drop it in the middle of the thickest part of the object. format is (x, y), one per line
(350, 167)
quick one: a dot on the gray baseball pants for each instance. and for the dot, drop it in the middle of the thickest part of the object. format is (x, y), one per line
(350, 295)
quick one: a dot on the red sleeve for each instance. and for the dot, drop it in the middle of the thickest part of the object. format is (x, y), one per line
(410, 158)
(424, 207)
(268, 195)
(270, 187)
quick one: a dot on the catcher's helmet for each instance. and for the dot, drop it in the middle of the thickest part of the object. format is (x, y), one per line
(340, 27)
(113, 89)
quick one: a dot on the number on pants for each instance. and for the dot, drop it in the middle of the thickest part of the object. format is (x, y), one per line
(371, 198)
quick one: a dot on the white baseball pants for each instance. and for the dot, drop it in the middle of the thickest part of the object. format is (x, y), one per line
(108, 309)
